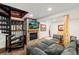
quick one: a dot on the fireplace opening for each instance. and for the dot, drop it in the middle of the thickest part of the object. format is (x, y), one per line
(33, 36)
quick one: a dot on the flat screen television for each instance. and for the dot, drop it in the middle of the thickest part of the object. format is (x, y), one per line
(34, 25)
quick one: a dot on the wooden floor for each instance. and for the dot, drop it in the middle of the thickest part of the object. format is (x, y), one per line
(23, 51)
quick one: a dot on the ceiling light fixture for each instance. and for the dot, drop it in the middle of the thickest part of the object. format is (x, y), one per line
(31, 15)
(49, 9)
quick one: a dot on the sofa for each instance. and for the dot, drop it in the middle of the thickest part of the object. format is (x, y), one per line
(71, 49)
(47, 46)
(78, 46)
(52, 47)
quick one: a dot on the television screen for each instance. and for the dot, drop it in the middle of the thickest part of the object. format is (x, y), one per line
(34, 25)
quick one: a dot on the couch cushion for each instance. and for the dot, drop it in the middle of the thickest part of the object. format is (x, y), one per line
(56, 40)
(78, 50)
(72, 45)
(42, 46)
(69, 51)
(73, 38)
(37, 51)
(30, 48)
(57, 36)
(78, 41)
(54, 49)
(49, 42)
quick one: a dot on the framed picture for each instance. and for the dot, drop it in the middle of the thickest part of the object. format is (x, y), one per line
(42, 27)
(60, 27)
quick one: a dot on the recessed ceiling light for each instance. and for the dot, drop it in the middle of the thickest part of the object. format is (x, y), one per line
(31, 15)
(49, 9)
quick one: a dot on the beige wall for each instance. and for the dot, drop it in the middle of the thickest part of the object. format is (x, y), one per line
(42, 34)
(55, 20)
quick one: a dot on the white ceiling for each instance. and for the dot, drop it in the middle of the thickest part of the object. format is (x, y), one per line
(39, 10)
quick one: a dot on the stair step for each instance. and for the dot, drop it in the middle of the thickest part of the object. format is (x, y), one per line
(17, 47)
(12, 35)
(17, 42)
(15, 38)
